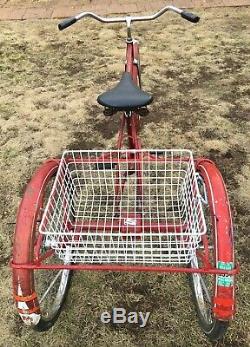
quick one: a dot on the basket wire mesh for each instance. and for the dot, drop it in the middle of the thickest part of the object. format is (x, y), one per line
(125, 206)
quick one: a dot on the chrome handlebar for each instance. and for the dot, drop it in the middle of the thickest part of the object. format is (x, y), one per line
(127, 19)
(131, 18)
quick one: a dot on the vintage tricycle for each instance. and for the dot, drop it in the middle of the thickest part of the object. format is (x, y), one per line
(127, 209)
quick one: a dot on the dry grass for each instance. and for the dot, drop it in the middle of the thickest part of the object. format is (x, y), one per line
(49, 81)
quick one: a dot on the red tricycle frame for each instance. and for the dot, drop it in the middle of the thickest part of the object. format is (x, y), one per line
(27, 258)
(203, 165)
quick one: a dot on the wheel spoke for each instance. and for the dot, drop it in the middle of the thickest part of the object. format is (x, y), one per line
(50, 286)
(201, 292)
(203, 284)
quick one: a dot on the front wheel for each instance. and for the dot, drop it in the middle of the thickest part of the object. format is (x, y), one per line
(39, 294)
(214, 294)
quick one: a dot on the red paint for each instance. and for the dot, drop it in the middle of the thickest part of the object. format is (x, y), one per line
(118, 268)
(23, 250)
(223, 235)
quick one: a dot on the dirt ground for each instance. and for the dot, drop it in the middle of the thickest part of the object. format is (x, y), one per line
(199, 76)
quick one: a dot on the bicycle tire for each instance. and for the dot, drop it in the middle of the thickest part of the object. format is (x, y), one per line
(25, 281)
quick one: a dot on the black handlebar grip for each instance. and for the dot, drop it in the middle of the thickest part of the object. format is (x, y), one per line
(66, 23)
(190, 17)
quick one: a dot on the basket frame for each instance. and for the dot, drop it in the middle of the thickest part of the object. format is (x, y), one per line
(39, 258)
(169, 235)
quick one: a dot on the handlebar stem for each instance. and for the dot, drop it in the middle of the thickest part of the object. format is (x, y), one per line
(129, 34)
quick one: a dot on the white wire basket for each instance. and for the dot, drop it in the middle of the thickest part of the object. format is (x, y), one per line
(126, 207)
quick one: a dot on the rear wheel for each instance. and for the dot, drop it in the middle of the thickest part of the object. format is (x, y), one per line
(203, 291)
(39, 294)
(213, 294)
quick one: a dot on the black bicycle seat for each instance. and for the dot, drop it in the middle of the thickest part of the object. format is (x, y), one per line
(126, 96)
